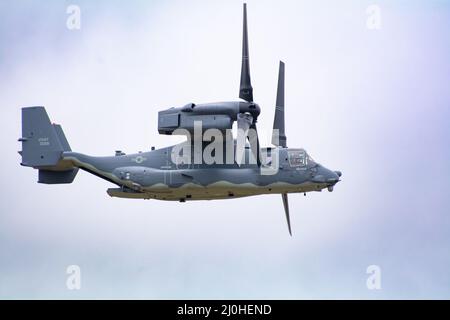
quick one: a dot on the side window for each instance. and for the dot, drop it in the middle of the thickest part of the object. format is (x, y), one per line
(297, 158)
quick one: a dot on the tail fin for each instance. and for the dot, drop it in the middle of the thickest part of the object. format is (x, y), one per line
(42, 146)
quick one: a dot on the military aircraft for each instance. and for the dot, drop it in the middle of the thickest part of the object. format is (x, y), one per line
(241, 169)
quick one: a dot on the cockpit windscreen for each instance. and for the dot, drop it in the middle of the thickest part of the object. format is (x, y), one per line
(299, 158)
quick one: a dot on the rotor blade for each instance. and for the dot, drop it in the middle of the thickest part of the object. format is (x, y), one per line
(278, 121)
(286, 210)
(252, 146)
(243, 121)
(245, 89)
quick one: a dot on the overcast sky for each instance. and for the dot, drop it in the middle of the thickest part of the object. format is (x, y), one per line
(373, 103)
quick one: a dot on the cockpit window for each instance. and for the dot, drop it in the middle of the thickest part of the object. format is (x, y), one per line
(297, 158)
(300, 158)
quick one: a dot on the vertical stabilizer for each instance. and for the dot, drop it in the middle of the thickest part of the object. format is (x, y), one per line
(42, 146)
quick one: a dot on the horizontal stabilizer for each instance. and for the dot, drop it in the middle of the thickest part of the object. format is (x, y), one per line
(57, 177)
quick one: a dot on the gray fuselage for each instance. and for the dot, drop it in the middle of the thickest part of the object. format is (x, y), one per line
(153, 175)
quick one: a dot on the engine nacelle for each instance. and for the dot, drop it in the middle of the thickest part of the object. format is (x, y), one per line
(211, 116)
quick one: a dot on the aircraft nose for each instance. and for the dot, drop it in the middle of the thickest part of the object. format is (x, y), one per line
(324, 175)
(333, 176)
